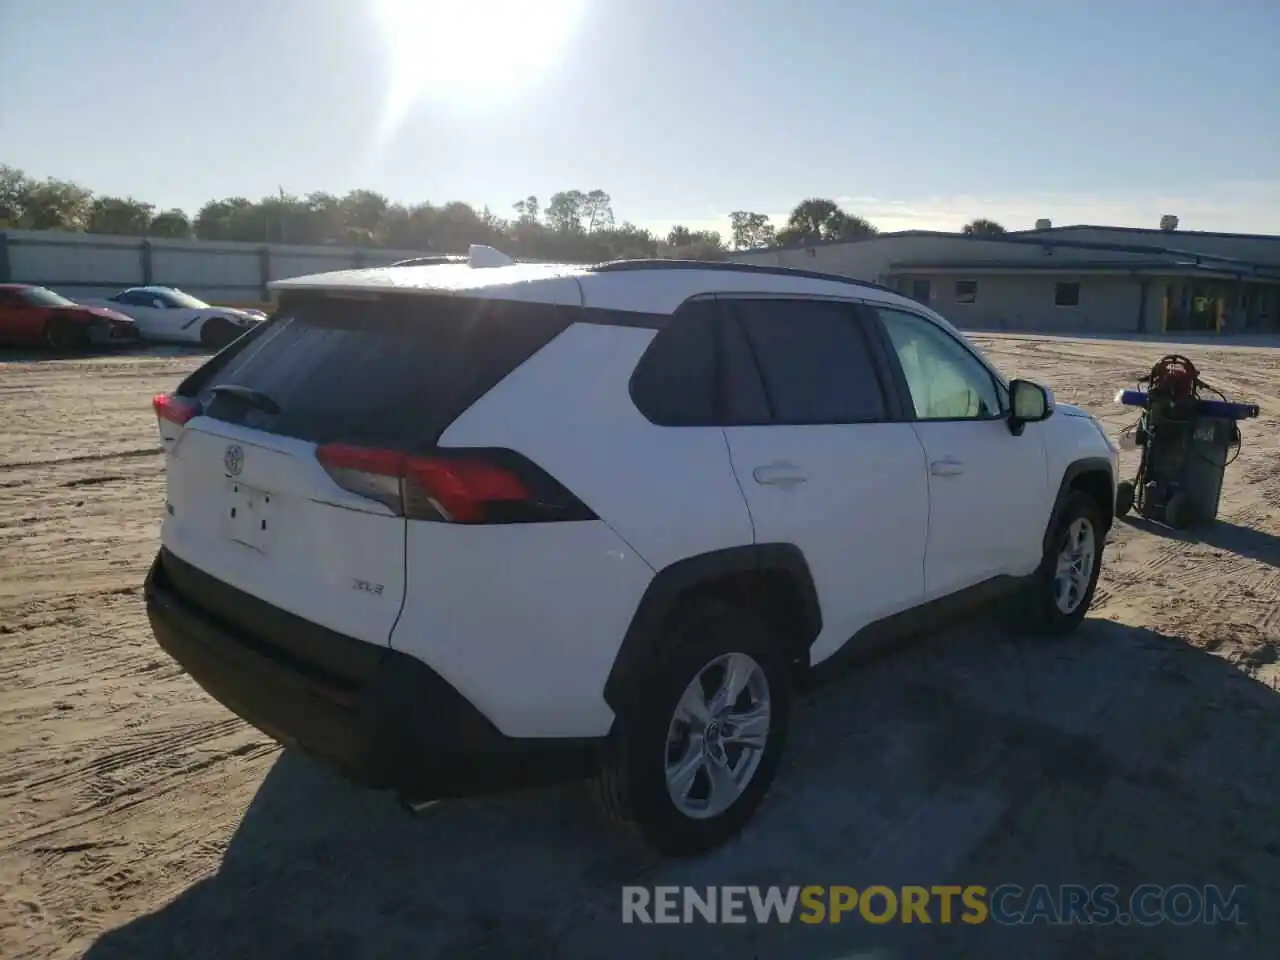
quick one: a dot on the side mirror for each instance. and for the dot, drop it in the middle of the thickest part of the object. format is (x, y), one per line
(158, 304)
(1030, 403)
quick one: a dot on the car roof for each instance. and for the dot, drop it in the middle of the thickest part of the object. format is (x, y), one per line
(648, 286)
(661, 286)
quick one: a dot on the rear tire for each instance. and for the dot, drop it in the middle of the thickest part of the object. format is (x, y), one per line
(677, 767)
(217, 332)
(1062, 587)
(63, 336)
(1124, 497)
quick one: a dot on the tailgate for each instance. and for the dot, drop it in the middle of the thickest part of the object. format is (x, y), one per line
(258, 512)
(380, 377)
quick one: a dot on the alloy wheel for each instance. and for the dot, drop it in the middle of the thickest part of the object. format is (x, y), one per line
(1074, 569)
(717, 735)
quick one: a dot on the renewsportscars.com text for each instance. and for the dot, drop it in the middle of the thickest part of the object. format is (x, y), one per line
(1008, 904)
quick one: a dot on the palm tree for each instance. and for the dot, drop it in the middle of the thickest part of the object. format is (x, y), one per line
(818, 219)
(983, 228)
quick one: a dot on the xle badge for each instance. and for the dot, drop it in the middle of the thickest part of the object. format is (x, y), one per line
(233, 459)
(364, 586)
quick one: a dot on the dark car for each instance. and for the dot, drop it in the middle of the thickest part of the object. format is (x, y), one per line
(31, 315)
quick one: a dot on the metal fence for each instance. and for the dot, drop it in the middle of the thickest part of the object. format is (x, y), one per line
(94, 265)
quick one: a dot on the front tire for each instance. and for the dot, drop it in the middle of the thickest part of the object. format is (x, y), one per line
(1063, 586)
(217, 332)
(692, 757)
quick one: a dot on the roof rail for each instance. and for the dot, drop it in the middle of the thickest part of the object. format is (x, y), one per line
(428, 261)
(479, 255)
(728, 266)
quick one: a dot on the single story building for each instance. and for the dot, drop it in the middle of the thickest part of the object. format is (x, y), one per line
(1065, 279)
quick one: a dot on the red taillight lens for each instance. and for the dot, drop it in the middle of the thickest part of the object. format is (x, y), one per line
(462, 490)
(373, 474)
(382, 463)
(457, 486)
(174, 409)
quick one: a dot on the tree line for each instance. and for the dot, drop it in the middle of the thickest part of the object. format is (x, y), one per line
(573, 225)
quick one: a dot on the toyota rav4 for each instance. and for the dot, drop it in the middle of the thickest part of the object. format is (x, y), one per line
(454, 526)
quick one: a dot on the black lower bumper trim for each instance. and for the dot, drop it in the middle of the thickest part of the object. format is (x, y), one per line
(396, 724)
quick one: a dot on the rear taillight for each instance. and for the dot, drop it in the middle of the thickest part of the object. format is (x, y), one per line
(454, 486)
(174, 409)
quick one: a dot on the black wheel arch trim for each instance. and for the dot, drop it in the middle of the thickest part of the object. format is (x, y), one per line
(674, 583)
(1074, 471)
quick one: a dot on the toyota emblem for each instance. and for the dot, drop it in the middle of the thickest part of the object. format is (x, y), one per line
(233, 459)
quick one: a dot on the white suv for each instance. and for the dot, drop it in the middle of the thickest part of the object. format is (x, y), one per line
(454, 526)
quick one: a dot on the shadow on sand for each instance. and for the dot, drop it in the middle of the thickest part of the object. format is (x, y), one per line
(1220, 535)
(1116, 756)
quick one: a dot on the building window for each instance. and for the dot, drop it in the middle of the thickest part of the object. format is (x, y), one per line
(966, 291)
(1066, 294)
(920, 291)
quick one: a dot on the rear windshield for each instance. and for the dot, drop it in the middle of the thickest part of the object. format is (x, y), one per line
(385, 371)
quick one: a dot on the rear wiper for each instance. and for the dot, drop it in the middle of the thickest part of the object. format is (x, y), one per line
(247, 395)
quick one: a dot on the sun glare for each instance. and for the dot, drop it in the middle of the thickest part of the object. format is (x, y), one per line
(471, 53)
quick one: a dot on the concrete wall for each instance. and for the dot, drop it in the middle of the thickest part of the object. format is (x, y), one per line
(1107, 304)
(1006, 301)
(1017, 279)
(92, 265)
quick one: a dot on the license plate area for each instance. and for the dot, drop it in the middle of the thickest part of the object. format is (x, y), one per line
(247, 516)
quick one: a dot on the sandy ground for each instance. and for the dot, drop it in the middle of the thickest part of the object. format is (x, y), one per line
(140, 819)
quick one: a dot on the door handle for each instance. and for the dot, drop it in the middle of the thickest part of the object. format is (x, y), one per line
(779, 475)
(946, 467)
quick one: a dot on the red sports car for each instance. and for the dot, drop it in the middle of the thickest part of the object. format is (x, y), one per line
(36, 315)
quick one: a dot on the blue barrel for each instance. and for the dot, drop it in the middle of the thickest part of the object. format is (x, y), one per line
(1224, 409)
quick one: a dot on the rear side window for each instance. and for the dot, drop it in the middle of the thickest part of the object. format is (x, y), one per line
(814, 359)
(745, 402)
(674, 384)
(389, 370)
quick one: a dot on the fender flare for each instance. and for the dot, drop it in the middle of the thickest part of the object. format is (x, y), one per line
(1074, 471)
(675, 582)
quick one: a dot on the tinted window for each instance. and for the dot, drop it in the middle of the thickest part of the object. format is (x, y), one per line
(43, 297)
(172, 297)
(134, 298)
(674, 383)
(745, 402)
(392, 371)
(814, 360)
(946, 381)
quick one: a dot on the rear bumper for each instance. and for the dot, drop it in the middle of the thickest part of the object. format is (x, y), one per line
(379, 717)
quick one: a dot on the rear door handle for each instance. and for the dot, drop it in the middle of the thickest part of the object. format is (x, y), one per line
(946, 467)
(779, 475)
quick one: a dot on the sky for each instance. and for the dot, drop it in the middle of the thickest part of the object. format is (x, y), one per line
(911, 113)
